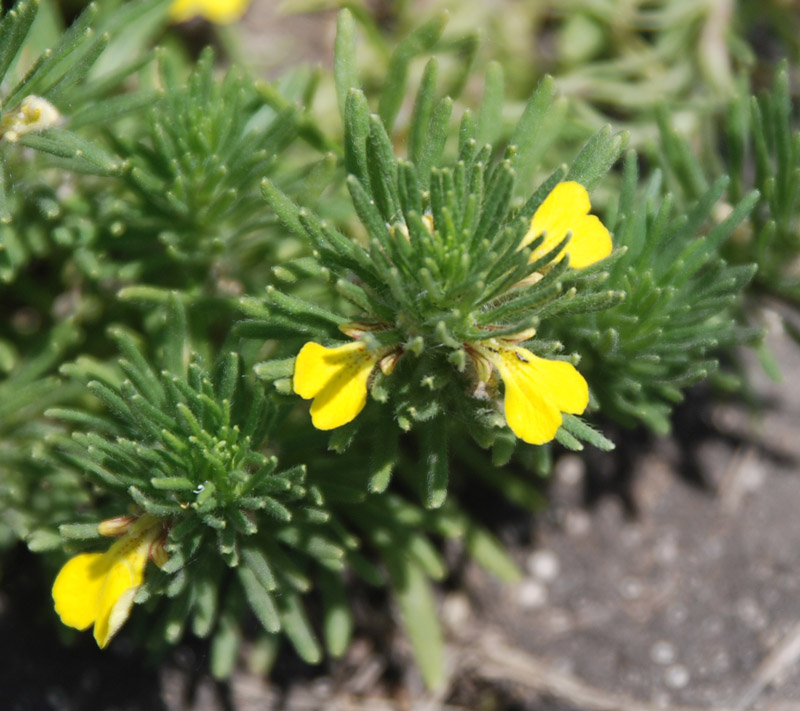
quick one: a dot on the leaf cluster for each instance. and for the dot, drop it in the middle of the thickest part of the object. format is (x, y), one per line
(681, 307)
(441, 262)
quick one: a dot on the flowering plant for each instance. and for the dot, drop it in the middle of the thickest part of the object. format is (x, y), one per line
(430, 273)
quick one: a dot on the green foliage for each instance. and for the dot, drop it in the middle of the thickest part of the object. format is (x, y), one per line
(442, 260)
(34, 498)
(186, 444)
(681, 308)
(67, 76)
(212, 223)
(194, 170)
(762, 141)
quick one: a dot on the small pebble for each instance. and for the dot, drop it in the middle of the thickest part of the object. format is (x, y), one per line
(456, 610)
(570, 469)
(666, 550)
(558, 622)
(661, 699)
(662, 652)
(577, 523)
(544, 565)
(677, 614)
(751, 614)
(721, 662)
(676, 676)
(531, 594)
(322, 688)
(714, 627)
(631, 589)
(713, 548)
(631, 536)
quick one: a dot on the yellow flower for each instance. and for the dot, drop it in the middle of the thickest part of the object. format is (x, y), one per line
(537, 390)
(565, 210)
(220, 12)
(98, 588)
(337, 379)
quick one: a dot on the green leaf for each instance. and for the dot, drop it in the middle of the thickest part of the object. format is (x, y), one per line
(580, 429)
(225, 646)
(14, 28)
(345, 64)
(80, 154)
(206, 600)
(528, 130)
(490, 554)
(356, 130)
(382, 171)
(436, 465)
(420, 617)
(337, 618)
(260, 600)
(421, 40)
(51, 65)
(297, 628)
(79, 531)
(490, 121)
(596, 158)
(423, 108)
(256, 561)
(435, 139)
(172, 483)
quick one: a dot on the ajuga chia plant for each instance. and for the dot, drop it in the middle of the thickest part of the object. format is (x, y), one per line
(682, 304)
(48, 104)
(614, 62)
(761, 136)
(193, 175)
(183, 475)
(442, 299)
(34, 498)
(451, 281)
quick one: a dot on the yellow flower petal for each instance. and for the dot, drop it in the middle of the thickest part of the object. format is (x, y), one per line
(337, 380)
(114, 604)
(77, 589)
(565, 211)
(182, 10)
(220, 12)
(99, 587)
(537, 391)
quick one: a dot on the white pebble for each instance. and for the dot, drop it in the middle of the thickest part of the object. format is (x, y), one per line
(456, 611)
(531, 594)
(751, 614)
(631, 589)
(544, 565)
(676, 676)
(677, 614)
(662, 652)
